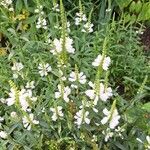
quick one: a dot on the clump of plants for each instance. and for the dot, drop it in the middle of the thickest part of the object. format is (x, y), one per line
(61, 76)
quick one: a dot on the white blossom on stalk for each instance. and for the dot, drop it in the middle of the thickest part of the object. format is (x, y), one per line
(63, 92)
(30, 85)
(108, 134)
(12, 96)
(44, 69)
(119, 131)
(57, 112)
(41, 23)
(79, 18)
(88, 104)
(94, 139)
(7, 4)
(3, 134)
(82, 117)
(80, 77)
(56, 8)
(16, 68)
(111, 117)
(28, 121)
(57, 46)
(88, 27)
(39, 9)
(23, 95)
(104, 93)
(105, 63)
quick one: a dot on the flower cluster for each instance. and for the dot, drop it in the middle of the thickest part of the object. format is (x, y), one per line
(82, 117)
(23, 97)
(63, 92)
(28, 121)
(58, 46)
(77, 77)
(112, 117)
(16, 68)
(81, 17)
(44, 69)
(103, 94)
(7, 4)
(57, 112)
(100, 60)
(41, 22)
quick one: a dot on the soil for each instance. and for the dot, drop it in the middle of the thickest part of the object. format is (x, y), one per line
(145, 39)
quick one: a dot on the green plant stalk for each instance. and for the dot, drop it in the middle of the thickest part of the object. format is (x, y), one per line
(63, 32)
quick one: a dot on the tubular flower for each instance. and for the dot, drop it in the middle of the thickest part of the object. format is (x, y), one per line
(63, 92)
(111, 117)
(57, 112)
(105, 63)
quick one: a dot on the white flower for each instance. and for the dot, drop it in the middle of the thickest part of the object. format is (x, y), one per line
(80, 77)
(82, 117)
(88, 27)
(104, 93)
(17, 66)
(74, 86)
(44, 69)
(63, 92)
(79, 18)
(2, 100)
(111, 117)
(68, 45)
(27, 122)
(1, 119)
(119, 131)
(148, 142)
(108, 134)
(57, 46)
(11, 100)
(56, 8)
(57, 112)
(13, 114)
(30, 85)
(105, 63)
(24, 97)
(6, 3)
(41, 23)
(3, 134)
(108, 10)
(94, 138)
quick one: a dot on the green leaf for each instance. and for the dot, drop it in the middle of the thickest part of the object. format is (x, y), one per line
(19, 5)
(123, 3)
(145, 12)
(146, 107)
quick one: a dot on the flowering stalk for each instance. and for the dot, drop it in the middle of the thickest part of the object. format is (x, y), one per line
(99, 70)
(63, 32)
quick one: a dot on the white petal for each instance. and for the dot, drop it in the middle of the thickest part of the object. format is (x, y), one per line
(104, 120)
